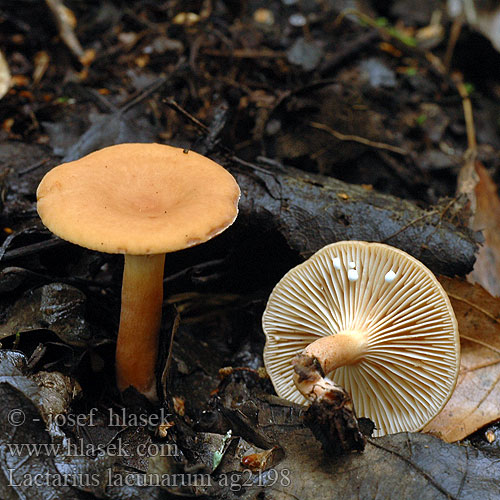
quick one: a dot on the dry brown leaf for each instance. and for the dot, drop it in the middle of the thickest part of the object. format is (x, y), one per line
(475, 181)
(486, 270)
(476, 399)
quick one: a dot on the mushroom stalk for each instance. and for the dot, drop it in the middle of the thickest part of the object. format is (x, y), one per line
(344, 348)
(140, 319)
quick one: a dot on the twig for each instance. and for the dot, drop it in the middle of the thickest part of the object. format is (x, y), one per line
(166, 369)
(5, 244)
(145, 93)
(246, 53)
(424, 245)
(36, 356)
(34, 166)
(406, 226)
(399, 170)
(245, 163)
(387, 31)
(75, 281)
(176, 107)
(356, 138)
(468, 115)
(28, 249)
(206, 130)
(66, 31)
(455, 30)
(348, 51)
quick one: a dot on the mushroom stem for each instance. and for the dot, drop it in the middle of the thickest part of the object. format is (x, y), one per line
(140, 318)
(344, 348)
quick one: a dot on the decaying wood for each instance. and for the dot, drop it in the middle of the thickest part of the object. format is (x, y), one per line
(311, 211)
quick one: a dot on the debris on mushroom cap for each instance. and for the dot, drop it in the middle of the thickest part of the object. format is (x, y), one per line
(409, 366)
(139, 199)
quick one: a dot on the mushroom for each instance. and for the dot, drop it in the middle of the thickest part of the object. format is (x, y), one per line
(379, 324)
(142, 200)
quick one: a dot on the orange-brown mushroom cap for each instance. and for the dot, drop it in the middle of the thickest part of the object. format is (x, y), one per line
(139, 199)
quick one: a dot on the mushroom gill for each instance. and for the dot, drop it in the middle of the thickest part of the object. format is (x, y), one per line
(380, 325)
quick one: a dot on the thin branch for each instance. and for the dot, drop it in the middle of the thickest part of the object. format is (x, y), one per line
(177, 107)
(406, 226)
(166, 369)
(246, 53)
(357, 138)
(455, 30)
(468, 115)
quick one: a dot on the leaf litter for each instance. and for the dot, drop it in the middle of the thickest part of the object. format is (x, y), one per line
(474, 403)
(406, 142)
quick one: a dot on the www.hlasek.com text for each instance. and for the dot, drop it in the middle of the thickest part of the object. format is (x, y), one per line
(80, 448)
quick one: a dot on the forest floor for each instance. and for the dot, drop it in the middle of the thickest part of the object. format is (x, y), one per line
(340, 121)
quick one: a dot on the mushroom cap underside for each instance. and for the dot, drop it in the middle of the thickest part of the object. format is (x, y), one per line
(410, 365)
(139, 199)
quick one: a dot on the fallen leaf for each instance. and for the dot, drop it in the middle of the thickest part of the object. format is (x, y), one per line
(486, 270)
(395, 467)
(57, 307)
(484, 206)
(474, 403)
(93, 456)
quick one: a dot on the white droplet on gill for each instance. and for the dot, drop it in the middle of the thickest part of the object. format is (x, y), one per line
(389, 277)
(336, 263)
(352, 275)
(352, 265)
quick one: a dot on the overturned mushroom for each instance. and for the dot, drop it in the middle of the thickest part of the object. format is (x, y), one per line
(142, 200)
(379, 325)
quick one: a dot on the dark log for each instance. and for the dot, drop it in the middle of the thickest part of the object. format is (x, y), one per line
(311, 211)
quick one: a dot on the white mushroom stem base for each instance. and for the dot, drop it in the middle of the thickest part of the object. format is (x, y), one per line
(140, 319)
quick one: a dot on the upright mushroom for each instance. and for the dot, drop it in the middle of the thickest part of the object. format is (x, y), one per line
(379, 324)
(142, 200)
